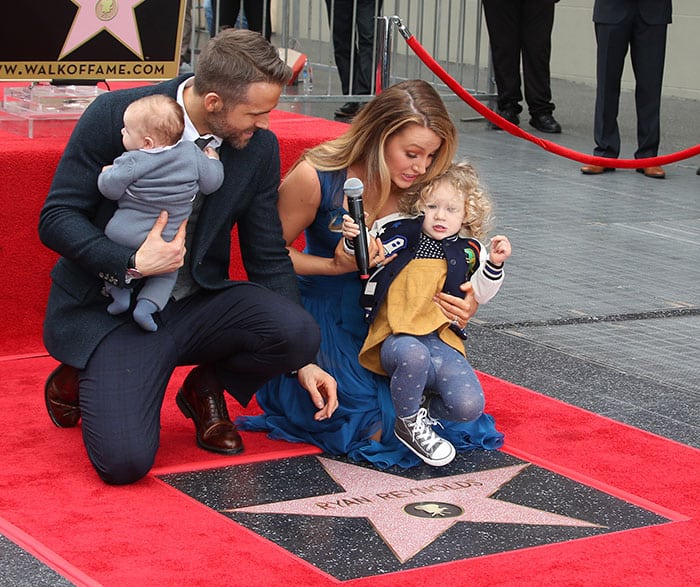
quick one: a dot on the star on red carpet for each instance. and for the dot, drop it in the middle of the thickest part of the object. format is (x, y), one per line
(410, 514)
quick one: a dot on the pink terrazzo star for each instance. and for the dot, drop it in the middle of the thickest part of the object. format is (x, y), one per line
(409, 514)
(115, 16)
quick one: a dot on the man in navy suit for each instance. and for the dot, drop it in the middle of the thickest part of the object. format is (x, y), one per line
(239, 334)
(641, 26)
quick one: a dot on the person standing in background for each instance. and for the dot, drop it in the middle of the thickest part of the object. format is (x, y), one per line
(522, 28)
(353, 49)
(257, 15)
(641, 26)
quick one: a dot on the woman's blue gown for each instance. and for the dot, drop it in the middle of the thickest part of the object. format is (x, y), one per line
(364, 399)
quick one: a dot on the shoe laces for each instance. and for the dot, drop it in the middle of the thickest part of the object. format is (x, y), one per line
(217, 405)
(421, 430)
(430, 421)
(425, 405)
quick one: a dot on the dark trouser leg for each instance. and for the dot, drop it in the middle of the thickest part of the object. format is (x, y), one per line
(648, 52)
(228, 14)
(503, 23)
(255, 11)
(246, 333)
(536, 33)
(612, 43)
(121, 393)
(341, 24)
(364, 57)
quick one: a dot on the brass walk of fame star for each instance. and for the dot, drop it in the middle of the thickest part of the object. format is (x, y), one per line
(409, 514)
(117, 17)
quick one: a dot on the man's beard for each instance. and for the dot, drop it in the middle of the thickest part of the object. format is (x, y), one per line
(236, 138)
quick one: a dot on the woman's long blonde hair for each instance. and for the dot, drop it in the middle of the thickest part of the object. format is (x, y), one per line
(408, 102)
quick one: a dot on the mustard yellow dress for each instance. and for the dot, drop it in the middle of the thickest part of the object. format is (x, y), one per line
(408, 308)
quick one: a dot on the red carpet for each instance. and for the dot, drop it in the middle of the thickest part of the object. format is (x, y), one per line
(150, 534)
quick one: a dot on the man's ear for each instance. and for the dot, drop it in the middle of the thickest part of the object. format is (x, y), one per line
(213, 102)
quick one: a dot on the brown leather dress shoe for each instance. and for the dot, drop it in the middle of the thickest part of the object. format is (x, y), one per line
(201, 398)
(61, 396)
(595, 169)
(655, 172)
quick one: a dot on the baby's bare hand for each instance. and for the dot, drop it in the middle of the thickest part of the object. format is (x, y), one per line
(211, 152)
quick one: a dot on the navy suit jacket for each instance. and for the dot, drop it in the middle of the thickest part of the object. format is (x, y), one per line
(75, 213)
(614, 11)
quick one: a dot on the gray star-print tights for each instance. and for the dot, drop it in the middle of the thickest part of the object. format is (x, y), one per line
(419, 363)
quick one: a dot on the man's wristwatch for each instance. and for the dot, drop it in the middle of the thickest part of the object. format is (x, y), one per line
(131, 271)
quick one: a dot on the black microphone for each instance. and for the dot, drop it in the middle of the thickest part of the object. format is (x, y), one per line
(353, 189)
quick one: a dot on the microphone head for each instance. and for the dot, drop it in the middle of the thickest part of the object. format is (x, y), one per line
(353, 187)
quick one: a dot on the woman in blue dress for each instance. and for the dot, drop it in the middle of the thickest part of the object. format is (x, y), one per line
(402, 138)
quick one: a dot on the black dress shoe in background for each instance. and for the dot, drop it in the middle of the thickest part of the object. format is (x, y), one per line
(201, 398)
(61, 396)
(348, 110)
(510, 115)
(545, 123)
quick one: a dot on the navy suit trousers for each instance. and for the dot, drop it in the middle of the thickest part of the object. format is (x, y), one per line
(247, 333)
(647, 46)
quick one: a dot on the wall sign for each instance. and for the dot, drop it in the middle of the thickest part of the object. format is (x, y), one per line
(91, 39)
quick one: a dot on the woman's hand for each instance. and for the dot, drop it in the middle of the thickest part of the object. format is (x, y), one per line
(458, 310)
(377, 257)
(322, 389)
(343, 259)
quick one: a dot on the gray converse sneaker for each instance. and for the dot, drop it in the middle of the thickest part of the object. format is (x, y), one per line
(416, 433)
(425, 401)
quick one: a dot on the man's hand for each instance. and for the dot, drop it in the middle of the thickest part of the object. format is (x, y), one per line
(155, 255)
(322, 389)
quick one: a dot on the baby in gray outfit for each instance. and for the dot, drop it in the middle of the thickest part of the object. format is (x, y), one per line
(157, 172)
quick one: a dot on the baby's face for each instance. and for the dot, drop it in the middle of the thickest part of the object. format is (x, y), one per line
(132, 137)
(444, 212)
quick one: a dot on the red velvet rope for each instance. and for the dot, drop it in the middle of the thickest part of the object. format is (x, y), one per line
(489, 114)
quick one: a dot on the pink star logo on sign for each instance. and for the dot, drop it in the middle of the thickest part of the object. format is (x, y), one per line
(117, 17)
